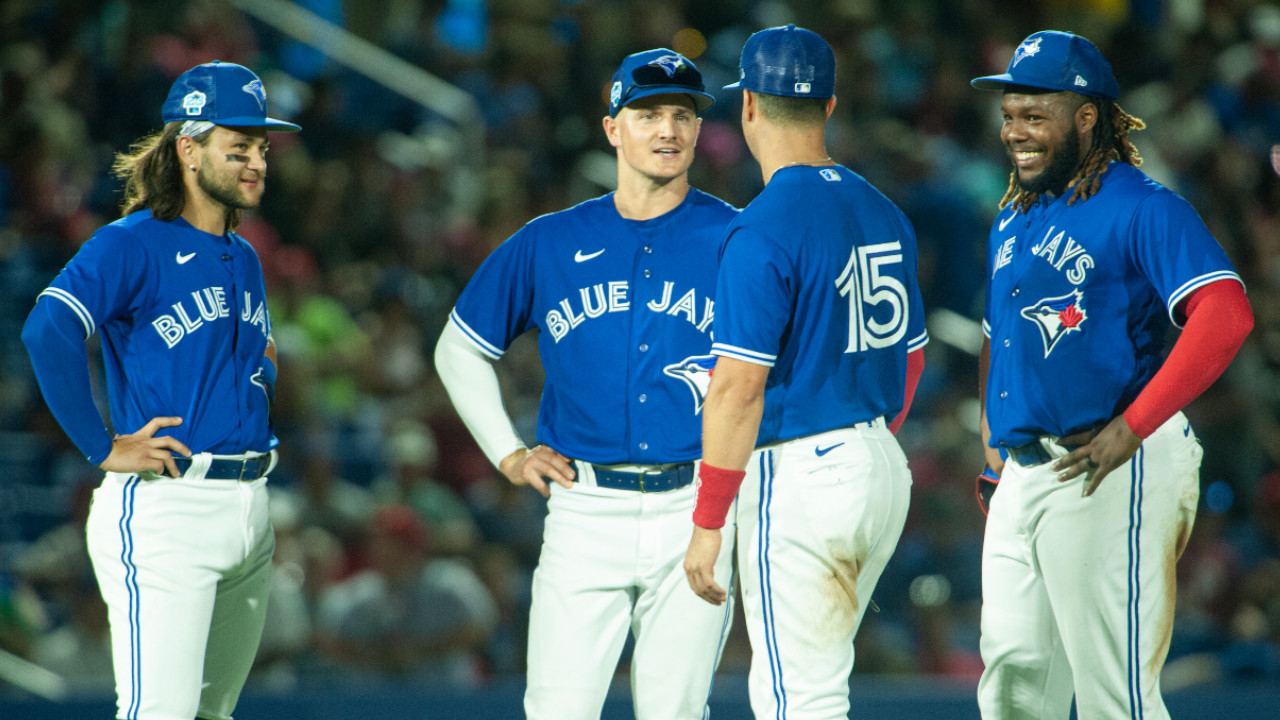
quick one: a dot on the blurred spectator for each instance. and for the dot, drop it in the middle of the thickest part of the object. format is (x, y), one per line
(408, 615)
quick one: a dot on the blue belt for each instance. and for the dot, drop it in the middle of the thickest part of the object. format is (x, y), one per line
(661, 481)
(1034, 453)
(1029, 455)
(250, 468)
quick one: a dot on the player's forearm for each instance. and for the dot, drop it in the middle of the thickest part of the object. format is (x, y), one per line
(61, 364)
(472, 384)
(1218, 321)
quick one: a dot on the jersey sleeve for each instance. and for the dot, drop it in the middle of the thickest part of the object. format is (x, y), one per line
(1174, 249)
(755, 292)
(97, 285)
(496, 306)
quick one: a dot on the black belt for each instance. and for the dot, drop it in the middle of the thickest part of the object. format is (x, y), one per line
(250, 468)
(672, 478)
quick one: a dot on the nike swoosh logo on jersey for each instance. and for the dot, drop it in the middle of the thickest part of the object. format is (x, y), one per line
(1008, 220)
(579, 257)
(820, 451)
(182, 259)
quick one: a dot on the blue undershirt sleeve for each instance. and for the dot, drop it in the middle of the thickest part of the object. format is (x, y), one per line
(54, 336)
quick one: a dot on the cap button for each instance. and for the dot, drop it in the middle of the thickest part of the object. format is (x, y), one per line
(791, 26)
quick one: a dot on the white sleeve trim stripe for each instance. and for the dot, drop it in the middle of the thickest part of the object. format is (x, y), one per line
(918, 342)
(76, 306)
(737, 353)
(723, 352)
(1193, 285)
(481, 344)
(986, 328)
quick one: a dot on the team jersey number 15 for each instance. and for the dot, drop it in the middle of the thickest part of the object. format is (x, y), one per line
(868, 281)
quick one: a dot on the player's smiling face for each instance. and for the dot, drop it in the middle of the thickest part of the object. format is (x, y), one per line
(233, 169)
(655, 136)
(1041, 133)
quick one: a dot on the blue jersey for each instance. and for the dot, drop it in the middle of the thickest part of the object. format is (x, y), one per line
(818, 281)
(1080, 298)
(183, 320)
(624, 310)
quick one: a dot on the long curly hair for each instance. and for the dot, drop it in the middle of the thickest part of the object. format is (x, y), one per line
(1110, 142)
(152, 175)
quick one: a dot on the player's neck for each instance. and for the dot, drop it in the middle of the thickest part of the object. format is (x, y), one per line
(204, 213)
(783, 150)
(644, 199)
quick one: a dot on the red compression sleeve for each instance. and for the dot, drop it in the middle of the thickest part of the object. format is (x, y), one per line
(915, 368)
(716, 489)
(1218, 320)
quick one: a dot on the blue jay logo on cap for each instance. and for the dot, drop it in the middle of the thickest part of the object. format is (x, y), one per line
(194, 102)
(615, 93)
(669, 63)
(254, 88)
(1027, 49)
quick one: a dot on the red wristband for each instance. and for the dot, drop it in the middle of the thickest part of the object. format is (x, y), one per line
(716, 490)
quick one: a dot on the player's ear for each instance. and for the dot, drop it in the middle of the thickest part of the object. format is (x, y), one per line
(1086, 117)
(611, 130)
(831, 106)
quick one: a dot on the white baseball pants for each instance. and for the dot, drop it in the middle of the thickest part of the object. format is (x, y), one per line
(818, 519)
(184, 565)
(1078, 593)
(613, 562)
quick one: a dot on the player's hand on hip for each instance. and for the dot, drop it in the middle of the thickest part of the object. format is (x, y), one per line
(533, 467)
(142, 450)
(1108, 450)
(700, 565)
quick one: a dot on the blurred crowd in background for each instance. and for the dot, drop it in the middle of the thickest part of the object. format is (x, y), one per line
(402, 555)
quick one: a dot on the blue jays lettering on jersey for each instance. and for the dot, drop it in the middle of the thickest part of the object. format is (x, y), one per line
(869, 313)
(172, 304)
(1111, 269)
(624, 309)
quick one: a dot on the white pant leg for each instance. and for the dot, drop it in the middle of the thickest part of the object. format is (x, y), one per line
(679, 636)
(816, 533)
(239, 615)
(1027, 674)
(160, 547)
(583, 592)
(1107, 564)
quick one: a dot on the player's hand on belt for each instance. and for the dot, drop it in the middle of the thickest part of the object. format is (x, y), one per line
(534, 466)
(1108, 450)
(700, 565)
(143, 451)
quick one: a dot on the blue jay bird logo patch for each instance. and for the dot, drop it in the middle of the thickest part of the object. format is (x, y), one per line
(254, 88)
(695, 372)
(1025, 50)
(1056, 317)
(669, 63)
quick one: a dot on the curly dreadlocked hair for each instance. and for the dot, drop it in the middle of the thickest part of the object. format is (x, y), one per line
(1110, 142)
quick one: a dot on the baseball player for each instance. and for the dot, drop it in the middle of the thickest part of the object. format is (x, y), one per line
(620, 290)
(1087, 263)
(819, 337)
(178, 532)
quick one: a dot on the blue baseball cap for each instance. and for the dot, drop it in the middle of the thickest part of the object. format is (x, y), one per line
(657, 72)
(1058, 61)
(787, 61)
(222, 94)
